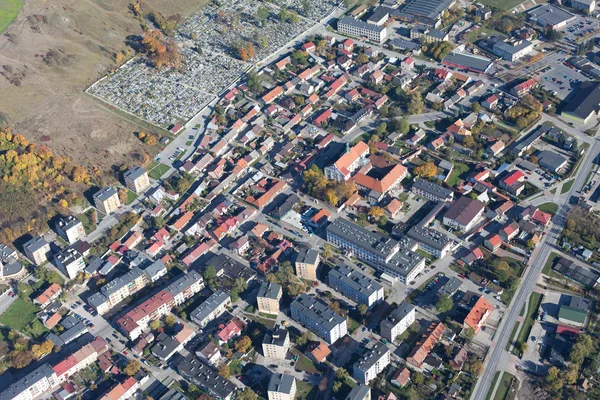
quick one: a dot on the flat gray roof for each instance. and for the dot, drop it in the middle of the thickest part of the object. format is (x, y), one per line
(356, 234)
(551, 160)
(404, 261)
(35, 244)
(361, 24)
(134, 173)
(432, 188)
(450, 287)
(398, 314)
(118, 283)
(317, 311)
(427, 8)
(307, 255)
(105, 194)
(20, 386)
(269, 290)
(430, 237)
(359, 392)
(470, 61)
(209, 305)
(585, 101)
(356, 280)
(276, 336)
(281, 383)
(375, 354)
(547, 14)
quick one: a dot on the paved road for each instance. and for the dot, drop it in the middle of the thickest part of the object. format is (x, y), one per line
(497, 360)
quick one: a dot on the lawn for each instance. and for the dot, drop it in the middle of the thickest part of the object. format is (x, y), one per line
(505, 385)
(534, 303)
(352, 324)
(158, 171)
(548, 266)
(512, 336)
(305, 391)
(457, 171)
(491, 391)
(567, 186)
(502, 5)
(19, 315)
(9, 9)
(304, 364)
(549, 208)
(86, 220)
(131, 197)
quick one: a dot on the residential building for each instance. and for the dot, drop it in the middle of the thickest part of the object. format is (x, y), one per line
(398, 321)
(71, 261)
(80, 359)
(524, 87)
(493, 242)
(210, 353)
(281, 387)
(509, 232)
(480, 312)
(431, 241)
(513, 183)
(355, 286)
(375, 188)
(551, 161)
(48, 296)
(575, 313)
(372, 364)
(587, 6)
(31, 385)
(136, 179)
(432, 191)
(428, 35)
(315, 315)
(122, 391)
(434, 333)
(359, 392)
(166, 346)
(37, 250)
(211, 308)
(268, 297)
(206, 378)
(70, 228)
(276, 343)
(464, 214)
(119, 289)
(353, 159)
(318, 351)
(307, 262)
(354, 27)
(107, 200)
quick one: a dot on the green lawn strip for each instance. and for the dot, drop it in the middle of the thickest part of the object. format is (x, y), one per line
(491, 391)
(547, 270)
(457, 171)
(86, 221)
(553, 191)
(512, 336)
(152, 164)
(158, 171)
(9, 9)
(504, 386)
(549, 208)
(19, 315)
(235, 367)
(131, 197)
(567, 186)
(305, 391)
(304, 364)
(268, 323)
(352, 324)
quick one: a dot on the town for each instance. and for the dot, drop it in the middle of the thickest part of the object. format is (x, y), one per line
(352, 200)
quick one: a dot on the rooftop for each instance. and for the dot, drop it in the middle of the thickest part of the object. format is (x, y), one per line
(354, 279)
(269, 290)
(464, 210)
(375, 242)
(281, 383)
(317, 311)
(376, 352)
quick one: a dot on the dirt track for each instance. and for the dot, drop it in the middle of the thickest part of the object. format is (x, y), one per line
(50, 54)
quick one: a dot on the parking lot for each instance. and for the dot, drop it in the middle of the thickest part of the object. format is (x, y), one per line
(559, 79)
(579, 29)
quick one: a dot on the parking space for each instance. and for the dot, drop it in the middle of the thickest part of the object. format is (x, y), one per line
(579, 29)
(559, 79)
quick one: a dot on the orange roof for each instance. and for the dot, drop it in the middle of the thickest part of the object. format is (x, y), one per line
(184, 334)
(320, 352)
(267, 196)
(394, 206)
(428, 342)
(323, 213)
(357, 151)
(259, 229)
(48, 293)
(307, 73)
(313, 98)
(383, 185)
(478, 314)
(53, 320)
(183, 220)
(272, 95)
(495, 240)
(132, 239)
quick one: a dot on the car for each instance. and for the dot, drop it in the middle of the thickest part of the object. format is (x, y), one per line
(92, 326)
(124, 352)
(533, 339)
(273, 366)
(481, 289)
(11, 293)
(190, 137)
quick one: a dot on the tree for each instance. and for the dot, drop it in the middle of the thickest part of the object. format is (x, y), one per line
(572, 373)
(426, 170)
(342, 374)
(469, 333)
(224, 371)
(246, 394)
(80, 175)
(403, 126)
(469, 142)
(323, 384)
(553, 374)
(154, 324)
(303, 339)
(210, 277)
(444, 304)
(362, 59)
(376, 212)
(243, 344)
(170, 320)
(262, 14)
(363, 309)
(583, 347)
(21, 359)
(161, 53)
(418, 378)
(475, 107)
(476, 367)
(132, 367)
(331, 197)
(327, 251)
(337, 386)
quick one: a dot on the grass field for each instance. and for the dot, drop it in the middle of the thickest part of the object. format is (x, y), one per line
(9, 9)
(502, 5)
(534, 303)
(491, 391)
(548, 266)
(567, 186)
(512, 336)
(459, 169)
(305, 391)
(304, 364)
(549, 208)
(505, 384)
(19, 315)
(158, 171)
(131, 197)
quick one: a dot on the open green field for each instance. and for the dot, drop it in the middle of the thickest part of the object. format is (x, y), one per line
(158, 171)
(131, 197)
(305, 391)
(305, 364)
(19, 315)
(9, 9)
(548, 266)
(457, 171)
(502, 5)
(549, 208)
(534, 303)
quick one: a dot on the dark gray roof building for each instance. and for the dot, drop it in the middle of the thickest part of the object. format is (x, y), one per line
(467, 61)
(281, 383)
(359, 392)
(307, 255)
(450, 287)
(432, 191)
(551, 161)
(269, 290)
(427, 8)
(204, 376)
(584, 105)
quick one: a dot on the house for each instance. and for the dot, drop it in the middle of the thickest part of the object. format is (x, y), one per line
(478, 314)
(376, 77)
(309, 47)
(493, 243)
(48, 296)
(416, 137)
(532, 213)
(136, 179)
(464, 214)
(272, 95)
(509, 232)
(319, 220)
(474, 255)
(231, 330)
(513, 182)
(525, 87)
(401, 377)
(496, 147)
(210, 353)
(393, 208)
(434, 333)
(575, 312)
(459, 359)
(318, 351)
(490, 102)
(107, 200)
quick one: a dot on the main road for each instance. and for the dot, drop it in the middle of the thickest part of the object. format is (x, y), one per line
(498, 358)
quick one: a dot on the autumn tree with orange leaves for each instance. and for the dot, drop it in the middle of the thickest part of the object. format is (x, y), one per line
(161, 53)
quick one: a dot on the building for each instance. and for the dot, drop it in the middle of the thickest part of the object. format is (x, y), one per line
(70, 228)
(71, 261)
(428, 35)
(511, 49)
(426, 12)
(211, 308)
(372, 364)
(136, 179)
(107, 200)
(419, 353)
(575, 313)
(513, 183)
(307, 262)
(550, 16)
(587, 6)
(37, 250)
(470, 62)
(318, 351)
(524, 87)
(353, 159)
(493, 242)
(431, 191)
(48, 296)
(268, 297)
(375, 188)
(431, 241)
(281, 387)
(354, 27)
(315, 315)
(210, 353)
(206, 378)
(478, 315)
(31, 385)
(464, 214)
(276, 343)
(397, 322)
(166, 346)
(451, 287)
(576, 272)
(551, 161)
(356, 286)
(359, 392)
(119, 289)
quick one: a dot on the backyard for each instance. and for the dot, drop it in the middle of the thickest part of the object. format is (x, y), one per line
(157, 171)
(21, 317)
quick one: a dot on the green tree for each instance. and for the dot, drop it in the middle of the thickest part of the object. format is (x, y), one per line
(363, 309)
(210, 277)
(246, 394)
(444, 304)
(132, 367)
(403, 126)
(262, 14)
(418, 378)
(337, 386)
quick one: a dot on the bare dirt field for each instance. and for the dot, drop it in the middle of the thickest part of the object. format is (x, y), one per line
(50, 54)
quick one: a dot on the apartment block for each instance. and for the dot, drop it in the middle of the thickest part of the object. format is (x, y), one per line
(107, 200)
(431, 191)
(372, 364)
(211, 308)
(136, 179)
(315, 315)
(31, 385)
(355, 27)
(70, 228)
(307, 262)
(397, 322)
(281, 387)
(431, 241)
(355, 286)
(268, 297)
(276, 343)
(71, 261)
(37, 250)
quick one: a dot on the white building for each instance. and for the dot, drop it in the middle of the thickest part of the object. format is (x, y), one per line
(319, 318)
(367, 368)
(70, 229)
(211, 308)
(397, 322)
(71, 261)
(354, 27)
(276, 343)
(281, 387)
(355, 286)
